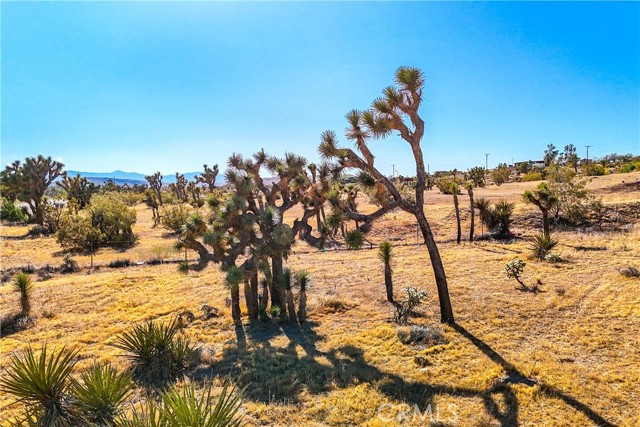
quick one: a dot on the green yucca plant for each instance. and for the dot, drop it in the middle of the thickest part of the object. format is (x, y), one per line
(542, 245)
(156, 353)
(42, 384)
(502, 212)
(22, 283)
(183, 408)
(100, 392)
(354, 239)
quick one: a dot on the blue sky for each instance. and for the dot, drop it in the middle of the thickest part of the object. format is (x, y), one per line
(169, 86)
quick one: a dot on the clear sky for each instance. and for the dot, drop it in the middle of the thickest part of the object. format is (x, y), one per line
(146, 86)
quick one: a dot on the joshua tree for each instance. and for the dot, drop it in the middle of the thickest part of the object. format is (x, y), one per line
(545, 199)
(302, 279)
(396, 110)
(179, 188)
(22, 283)
(78, 189)
(291, 306)
(455, 190)
(550, 154)
(155, 183)
(469, 188)
(151, 200)
(208, 177)
(385, 253)
(476, 174)
(28, 181)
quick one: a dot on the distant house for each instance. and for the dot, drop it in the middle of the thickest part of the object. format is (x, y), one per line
(530, 164)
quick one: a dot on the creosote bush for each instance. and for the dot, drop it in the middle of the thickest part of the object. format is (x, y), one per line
(156, 351)
(421, 335)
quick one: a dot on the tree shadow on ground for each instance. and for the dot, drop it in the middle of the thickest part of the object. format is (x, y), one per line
(281, 374)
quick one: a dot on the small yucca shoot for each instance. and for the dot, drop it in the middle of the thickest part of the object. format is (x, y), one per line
(22, 283)
(42, 384)
(100, 392)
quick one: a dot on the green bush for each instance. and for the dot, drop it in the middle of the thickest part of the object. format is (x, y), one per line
(593, 169)
(77, 234)
(111, 215)
(174, 217)
(532, 176)
(627, 167)
(445, 185)
(10, 212)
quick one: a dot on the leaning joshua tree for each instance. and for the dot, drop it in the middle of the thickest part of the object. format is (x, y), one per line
(395, 111)
(545, 199)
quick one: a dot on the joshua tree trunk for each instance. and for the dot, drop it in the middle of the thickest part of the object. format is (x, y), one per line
(473, 214)
(457, 207)
(302, 307)
(235, 304)
(291, 306)
(545, 223)
(276, 283)
(253, 310)
(446, 311)
(388, 280)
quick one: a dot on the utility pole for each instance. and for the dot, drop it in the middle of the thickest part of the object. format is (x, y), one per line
(588, 152)
(393, 170)
(486, 161)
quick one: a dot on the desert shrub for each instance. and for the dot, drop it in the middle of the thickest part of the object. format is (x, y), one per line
(354, 239)
(445, 185)
(183, 407)
(52, 217)
(627, 167)
(593, 169)
(99, 394)
(155, 261)
(553, 258)
(174, 217)
(113, 218)
(77, 234)
(630, 271)
(22, 284)
(156, 352)
(421, 335)
(183, 267)
(501, 174)
(476, 174)
(514, 270)
(10, 212)
(120, 263)
(69, 265)
(41, 383)
(542, 245)
(405, 308)
(38, 231)
(334, 304)
(532, 176)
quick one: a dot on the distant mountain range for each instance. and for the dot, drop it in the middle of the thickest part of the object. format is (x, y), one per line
(121, 177)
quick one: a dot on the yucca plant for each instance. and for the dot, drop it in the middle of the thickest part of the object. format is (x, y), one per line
(385, 253)
(354, 239)
(42, 384)
(156, 353)
(542, 245)
(99, 394)
(22, 284)
(183, 408)
(302, 279)
(501, 213)
(291, 306)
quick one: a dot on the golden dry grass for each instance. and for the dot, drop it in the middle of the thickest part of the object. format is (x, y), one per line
(577, 340)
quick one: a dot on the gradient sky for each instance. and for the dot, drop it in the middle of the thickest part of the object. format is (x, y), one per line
(169, 86)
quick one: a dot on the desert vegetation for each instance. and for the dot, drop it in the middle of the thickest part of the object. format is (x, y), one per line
(300, 293)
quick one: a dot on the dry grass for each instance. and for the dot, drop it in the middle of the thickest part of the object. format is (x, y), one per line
(547, 359)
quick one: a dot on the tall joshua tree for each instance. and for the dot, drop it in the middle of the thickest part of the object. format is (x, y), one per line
(395, 111)
(455, 189)
(545, 199)
(385, 253)
(78, 189)
(155, 183)
(28, 181)
(208, 177)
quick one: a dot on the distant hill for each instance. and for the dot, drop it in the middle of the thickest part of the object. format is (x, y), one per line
(121, 177)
